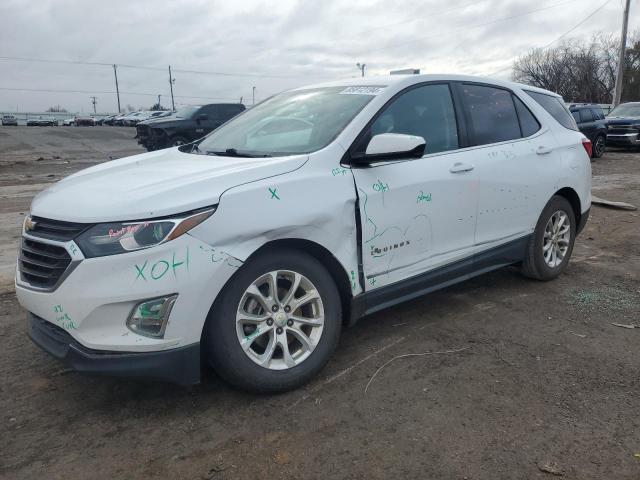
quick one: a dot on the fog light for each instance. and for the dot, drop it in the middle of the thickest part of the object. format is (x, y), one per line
(149, 318)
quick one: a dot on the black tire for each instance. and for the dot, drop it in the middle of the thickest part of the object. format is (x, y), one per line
(534, 265)
(599, 146)
(220, 342)
(178, 140)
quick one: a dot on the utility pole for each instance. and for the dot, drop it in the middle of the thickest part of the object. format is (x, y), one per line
(253, 95)
(361, 67)
(617, 92)
(159, 100)
(171, 82)
(94, 101)
(115, 74)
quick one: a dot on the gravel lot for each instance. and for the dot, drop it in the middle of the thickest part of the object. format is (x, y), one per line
(545, 381)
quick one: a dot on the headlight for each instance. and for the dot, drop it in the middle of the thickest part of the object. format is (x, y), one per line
(120, 237)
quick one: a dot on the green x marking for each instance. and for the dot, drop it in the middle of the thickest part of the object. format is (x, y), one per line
(274, 193)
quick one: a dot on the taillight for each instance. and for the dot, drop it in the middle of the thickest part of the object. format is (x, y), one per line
(588, 146)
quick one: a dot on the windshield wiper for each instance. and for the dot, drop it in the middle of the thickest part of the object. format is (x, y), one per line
(232, 152)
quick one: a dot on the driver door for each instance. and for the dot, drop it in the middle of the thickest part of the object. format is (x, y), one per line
(416, 214)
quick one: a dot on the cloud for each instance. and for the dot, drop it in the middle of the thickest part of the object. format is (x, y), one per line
(278, 45)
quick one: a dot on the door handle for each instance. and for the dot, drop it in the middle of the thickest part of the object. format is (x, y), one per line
(542, 150)
(460, 167)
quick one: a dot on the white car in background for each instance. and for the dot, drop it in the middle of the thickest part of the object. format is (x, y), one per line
(252, 247)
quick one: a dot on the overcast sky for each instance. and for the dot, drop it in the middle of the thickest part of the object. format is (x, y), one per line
(277, 44)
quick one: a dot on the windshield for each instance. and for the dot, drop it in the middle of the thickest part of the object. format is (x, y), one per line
(626, 110)
(290, 123)
(186, 112)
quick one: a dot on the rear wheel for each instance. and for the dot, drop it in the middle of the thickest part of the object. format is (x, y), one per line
(276, 323)
(551, 244)
(598, 146)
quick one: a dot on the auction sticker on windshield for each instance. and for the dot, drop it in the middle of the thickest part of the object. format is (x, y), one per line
(362, 91)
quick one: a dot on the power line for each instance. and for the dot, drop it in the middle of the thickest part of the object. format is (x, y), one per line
(561, 36)
(105, 92)
(145, 67)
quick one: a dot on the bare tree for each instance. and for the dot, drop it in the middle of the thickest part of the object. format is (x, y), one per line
(57, 108)
(582, 71)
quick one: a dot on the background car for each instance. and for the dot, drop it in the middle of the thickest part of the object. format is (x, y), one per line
(85, 120)
(42, 122)
(186, 125)
(9, 120)
(591, 121)
(624, 125)
(121, 119)
(67, 122)
(108, 120)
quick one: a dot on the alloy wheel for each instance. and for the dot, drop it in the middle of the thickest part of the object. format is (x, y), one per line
(599, 146)
(557, 235)
(280, 319)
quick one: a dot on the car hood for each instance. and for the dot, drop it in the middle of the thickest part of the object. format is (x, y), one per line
(164, 120)
(622, 120)
(153, 184)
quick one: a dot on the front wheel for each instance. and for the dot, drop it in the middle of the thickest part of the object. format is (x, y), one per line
(275, 324)
(598, 146)
(551, 244)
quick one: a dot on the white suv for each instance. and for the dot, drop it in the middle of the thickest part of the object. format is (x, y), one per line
(252, 247)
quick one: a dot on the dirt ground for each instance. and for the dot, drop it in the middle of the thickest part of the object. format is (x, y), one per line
(545, 381)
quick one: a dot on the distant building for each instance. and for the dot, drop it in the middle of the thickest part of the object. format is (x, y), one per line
(405, 71)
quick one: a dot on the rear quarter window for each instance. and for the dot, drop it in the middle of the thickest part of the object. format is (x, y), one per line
(528, 123)
(555, 108)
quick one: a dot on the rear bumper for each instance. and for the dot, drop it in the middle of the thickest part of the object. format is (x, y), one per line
(178, 365)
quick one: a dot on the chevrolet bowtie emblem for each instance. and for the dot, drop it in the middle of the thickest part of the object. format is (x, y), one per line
(29, 224)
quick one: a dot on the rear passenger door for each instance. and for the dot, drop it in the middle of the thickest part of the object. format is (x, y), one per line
(513, 156)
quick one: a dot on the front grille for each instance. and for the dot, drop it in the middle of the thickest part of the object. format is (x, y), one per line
(621, 128)
(41, 264)
(56, 229)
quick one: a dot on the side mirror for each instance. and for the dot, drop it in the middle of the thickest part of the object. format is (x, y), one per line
(390, 146)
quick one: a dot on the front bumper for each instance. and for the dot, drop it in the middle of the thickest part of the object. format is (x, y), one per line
(623, 139)
(94, 300)
(177, 365)
(584, 217)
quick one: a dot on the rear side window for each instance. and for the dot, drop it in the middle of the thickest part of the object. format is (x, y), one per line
(492, 113)
(555, 108)
(598, 114)
(586, 115)
(576, 115)
(528, 123)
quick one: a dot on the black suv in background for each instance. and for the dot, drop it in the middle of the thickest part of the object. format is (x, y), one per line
(624, 125)
(591, 122)
(186, 125)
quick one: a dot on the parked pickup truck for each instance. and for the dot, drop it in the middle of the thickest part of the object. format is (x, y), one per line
(623, 129)
(186, 125)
